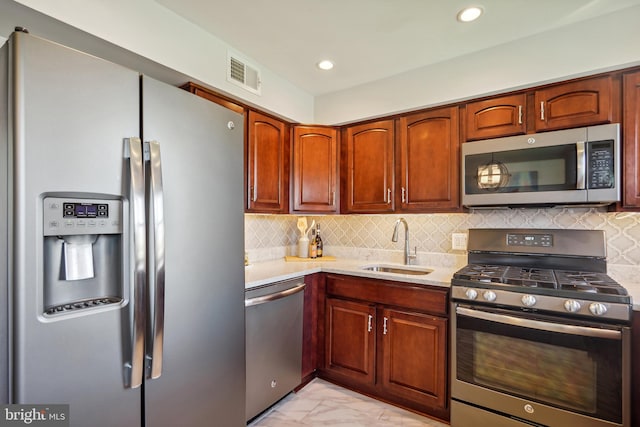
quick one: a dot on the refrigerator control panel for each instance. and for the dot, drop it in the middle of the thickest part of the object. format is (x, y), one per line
(70, 216)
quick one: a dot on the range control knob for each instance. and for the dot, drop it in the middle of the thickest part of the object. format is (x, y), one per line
(572, 306)
(597, 308)
(471, 294)
(489, 296)
(529, 300)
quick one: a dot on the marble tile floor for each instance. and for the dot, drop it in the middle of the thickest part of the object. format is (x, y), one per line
(321, 403)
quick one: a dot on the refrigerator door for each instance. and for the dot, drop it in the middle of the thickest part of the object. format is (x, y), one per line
(71, 112)
(202, 381)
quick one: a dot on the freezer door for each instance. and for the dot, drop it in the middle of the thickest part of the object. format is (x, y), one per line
(71, 112)
(202, 381)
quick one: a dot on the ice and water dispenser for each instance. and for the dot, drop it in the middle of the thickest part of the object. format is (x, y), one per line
(83, 254)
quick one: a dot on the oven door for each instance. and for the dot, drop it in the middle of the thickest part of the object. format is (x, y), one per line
(540, 369)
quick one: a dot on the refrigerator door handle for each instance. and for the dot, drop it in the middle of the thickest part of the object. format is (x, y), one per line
(134, 368)
(157, 200)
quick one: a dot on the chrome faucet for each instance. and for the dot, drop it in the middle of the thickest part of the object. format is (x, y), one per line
(407, 256)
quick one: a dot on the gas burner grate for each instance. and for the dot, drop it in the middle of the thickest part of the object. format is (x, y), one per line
(482, 273)
(588, 282)
(530, 277)
(546, 281)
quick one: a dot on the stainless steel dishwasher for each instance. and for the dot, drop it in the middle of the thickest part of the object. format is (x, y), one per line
(274, 342)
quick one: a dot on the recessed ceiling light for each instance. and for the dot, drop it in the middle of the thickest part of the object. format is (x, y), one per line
(469, 14)
(325, 65)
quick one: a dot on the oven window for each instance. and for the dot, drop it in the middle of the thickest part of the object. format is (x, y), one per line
(570, 374)
(536, 169)
(573, 372)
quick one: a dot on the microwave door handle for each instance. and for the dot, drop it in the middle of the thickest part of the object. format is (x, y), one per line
(581, 165)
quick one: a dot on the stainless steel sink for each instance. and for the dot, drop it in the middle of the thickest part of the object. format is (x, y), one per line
(398, 269)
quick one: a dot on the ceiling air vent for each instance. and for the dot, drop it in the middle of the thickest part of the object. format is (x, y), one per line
(239, 72)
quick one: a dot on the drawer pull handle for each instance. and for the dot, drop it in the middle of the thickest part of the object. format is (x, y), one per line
(519, 114)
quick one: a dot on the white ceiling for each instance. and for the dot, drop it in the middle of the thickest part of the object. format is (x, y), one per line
(372, 39)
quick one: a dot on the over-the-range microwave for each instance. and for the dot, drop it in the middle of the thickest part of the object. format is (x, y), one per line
(566, 167)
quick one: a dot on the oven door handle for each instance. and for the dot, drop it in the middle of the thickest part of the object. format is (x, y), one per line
(540, 325)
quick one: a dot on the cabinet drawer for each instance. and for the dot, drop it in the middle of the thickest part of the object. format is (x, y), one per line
(401, 294)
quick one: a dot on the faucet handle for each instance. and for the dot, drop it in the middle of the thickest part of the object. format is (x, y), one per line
(412, 256)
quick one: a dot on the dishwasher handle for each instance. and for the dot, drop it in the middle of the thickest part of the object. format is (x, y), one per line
(272, 297)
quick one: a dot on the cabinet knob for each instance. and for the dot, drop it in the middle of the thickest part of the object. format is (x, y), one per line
(404, 193)
(370, 324)
(384, 326)
(388, 195)
(542, 110)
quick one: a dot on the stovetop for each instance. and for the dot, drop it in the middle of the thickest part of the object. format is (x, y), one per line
(545, 281)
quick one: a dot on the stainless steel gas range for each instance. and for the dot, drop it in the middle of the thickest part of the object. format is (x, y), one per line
(540, 334)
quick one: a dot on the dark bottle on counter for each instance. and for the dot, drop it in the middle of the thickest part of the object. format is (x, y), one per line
(318, 241)
(313, 248)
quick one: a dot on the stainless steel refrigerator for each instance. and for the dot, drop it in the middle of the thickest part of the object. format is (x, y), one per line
(121, 223)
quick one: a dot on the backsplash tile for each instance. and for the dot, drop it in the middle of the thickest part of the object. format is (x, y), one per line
(363, 236)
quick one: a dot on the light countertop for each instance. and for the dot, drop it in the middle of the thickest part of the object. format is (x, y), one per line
(263, 273)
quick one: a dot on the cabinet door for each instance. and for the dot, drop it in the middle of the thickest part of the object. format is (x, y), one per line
(350, 336)
(496, 117)
(429, 161)
(369, 167)
(631, 142)
(267, 164)
(315, 173)
(415, 356)
(581, 103)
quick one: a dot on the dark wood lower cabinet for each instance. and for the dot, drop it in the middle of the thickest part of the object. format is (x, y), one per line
(388, 340)
(350, 341)
(309, 329)
(414, 352)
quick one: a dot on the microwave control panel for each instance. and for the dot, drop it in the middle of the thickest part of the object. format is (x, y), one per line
(601, 167)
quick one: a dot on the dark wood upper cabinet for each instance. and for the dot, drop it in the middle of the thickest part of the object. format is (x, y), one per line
(496, 117)
(631, 140)
(368, 167)
(429, 161)
(578, 103)
(315, 171)
(267, 164)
